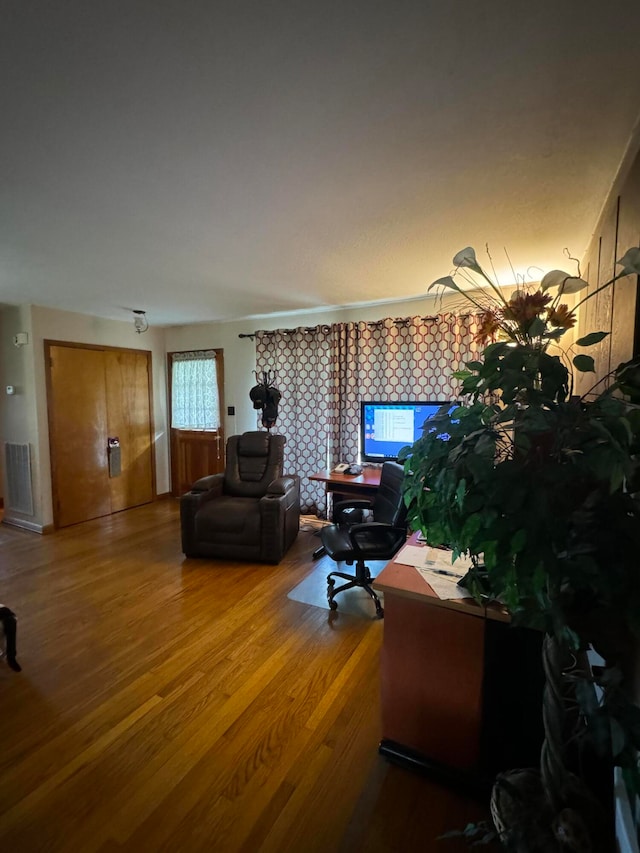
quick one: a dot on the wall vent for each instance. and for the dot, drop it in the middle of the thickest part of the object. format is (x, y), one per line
(18, 466)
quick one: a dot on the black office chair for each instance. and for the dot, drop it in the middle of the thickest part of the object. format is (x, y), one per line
(377, 539)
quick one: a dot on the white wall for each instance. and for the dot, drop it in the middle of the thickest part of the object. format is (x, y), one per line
(18, 412)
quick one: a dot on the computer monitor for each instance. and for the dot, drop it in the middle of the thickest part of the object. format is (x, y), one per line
(385, 428)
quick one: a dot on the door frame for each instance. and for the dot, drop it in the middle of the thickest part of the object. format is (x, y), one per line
(48, 344)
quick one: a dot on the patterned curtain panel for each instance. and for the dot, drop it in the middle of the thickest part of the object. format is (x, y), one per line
(323, 373)
(194, 391)
(407, 359)
(301, 361)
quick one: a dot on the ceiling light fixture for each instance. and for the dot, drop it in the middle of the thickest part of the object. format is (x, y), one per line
(140, 321)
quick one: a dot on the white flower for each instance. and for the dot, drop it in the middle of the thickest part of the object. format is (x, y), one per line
(630, 261)
(446, 281)
(560, 278)
(467, 258)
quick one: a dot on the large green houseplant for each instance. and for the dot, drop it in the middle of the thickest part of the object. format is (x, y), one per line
(540, 487)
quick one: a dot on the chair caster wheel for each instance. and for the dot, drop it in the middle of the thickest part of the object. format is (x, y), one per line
(380, 612)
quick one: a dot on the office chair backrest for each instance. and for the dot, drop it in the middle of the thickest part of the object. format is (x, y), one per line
(254, 459)
(388, 505)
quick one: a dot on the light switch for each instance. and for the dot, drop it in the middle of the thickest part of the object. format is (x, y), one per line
(11, 389)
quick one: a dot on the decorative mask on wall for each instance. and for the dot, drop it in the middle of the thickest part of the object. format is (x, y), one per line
(266, 396)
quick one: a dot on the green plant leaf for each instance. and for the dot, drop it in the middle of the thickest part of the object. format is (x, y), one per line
(518, 540)
(618, 737)
(555, 334)
(591, 339)
(584, 363)
(461, 374)
(537, 327)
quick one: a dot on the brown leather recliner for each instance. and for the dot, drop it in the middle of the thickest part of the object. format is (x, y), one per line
(251, 512)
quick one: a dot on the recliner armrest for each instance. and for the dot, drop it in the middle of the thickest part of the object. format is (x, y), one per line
(283, 485)
(284, 491)
(279, 516)
(203, 490)
(210, 482)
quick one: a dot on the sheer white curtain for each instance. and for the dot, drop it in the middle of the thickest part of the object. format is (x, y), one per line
(194, 391)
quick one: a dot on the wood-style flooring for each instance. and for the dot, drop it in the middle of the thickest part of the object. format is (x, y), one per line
(187, 705)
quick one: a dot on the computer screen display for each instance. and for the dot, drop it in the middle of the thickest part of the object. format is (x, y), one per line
(385, 428)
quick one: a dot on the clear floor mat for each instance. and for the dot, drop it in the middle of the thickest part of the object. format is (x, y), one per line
(313, 590)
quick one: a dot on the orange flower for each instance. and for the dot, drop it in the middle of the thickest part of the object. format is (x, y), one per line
(524, 308)
(562, 317)
(489, 325)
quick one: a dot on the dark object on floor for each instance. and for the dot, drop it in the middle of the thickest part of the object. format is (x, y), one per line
(9, 623)
(251, 512)
(354, 541)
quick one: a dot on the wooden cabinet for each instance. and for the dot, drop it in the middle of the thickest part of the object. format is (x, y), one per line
(461, 688)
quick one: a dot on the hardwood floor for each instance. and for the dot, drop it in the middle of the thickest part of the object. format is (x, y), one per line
(186, 705)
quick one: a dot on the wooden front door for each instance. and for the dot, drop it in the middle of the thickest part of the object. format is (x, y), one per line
(196, 453)
(95, 394)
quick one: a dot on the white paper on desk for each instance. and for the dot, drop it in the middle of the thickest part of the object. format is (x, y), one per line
(444, 587)
(429, 562)
(423, 556)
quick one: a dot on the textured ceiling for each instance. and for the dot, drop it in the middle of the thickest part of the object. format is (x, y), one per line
(215, 160)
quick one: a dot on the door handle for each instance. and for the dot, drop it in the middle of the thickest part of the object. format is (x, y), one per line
(113, 454)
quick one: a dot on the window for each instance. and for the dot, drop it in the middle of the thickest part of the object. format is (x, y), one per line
(195, 401)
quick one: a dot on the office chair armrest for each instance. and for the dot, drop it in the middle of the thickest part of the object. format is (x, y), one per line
(350, 512)
(359, 503)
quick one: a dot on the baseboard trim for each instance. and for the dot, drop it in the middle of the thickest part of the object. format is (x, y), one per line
(469, 782)
(28, 525)
(164, 496)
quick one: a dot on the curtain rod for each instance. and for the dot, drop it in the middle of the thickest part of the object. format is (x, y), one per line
(400, 321)
(281, 331)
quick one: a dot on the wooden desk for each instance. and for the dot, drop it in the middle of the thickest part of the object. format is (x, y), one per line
(460, 697)
(346, 487)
